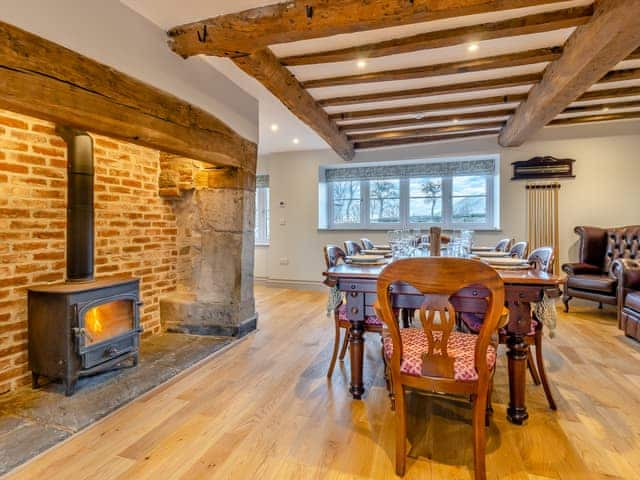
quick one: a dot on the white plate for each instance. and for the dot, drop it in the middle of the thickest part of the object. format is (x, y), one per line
(507, 262)
(382, 247)
(482, 249)
(492, 254)
(377, 251)
(366, 258)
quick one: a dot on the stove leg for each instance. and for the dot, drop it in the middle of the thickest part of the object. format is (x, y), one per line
(135, 360)
(70, 386)
(34, 380)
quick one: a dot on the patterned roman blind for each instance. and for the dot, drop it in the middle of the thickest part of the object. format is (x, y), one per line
(412, 170)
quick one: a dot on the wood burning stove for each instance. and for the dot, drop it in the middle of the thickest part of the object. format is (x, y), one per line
(79, 329)
(84, 326)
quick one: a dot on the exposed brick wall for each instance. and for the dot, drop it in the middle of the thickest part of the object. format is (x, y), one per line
(135, 228)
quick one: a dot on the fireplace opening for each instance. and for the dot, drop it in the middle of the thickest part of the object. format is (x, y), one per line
(84, 326)
(107, 321)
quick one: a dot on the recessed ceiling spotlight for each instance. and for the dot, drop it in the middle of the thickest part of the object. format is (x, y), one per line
(296, 141)
(455, 120)
(419, 116)
(605, 109)
(274, 127)
(361, 64)
(473, 47)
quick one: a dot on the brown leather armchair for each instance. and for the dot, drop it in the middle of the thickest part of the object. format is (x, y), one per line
(592, 277)
(627, 273)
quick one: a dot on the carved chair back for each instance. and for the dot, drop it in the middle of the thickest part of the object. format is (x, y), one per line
(542, 259)
(438, 278)
(503, 245)
(367, 244)
(519, 250)
(351, 247)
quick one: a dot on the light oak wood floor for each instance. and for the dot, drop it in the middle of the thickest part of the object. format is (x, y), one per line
(265, 410)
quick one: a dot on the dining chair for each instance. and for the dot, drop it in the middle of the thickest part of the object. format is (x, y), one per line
(434, 357)
(334, 255)
(367, 244)
(519, 250)
(503, 245)
(351, 247)
(540, 259)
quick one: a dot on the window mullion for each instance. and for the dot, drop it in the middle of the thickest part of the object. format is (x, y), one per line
(365, 204)
(447, 201)
(404, 201)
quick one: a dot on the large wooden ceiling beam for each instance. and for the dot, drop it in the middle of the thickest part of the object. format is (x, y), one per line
(593, 49)
(538, 23)
(430, 107)
(528, 57)
(465, 87)
(242, 33)
(265, 67)
(45, 80)
(596, 118)
(422, 139)
(604, 94)
(418, 132)
(415, 122)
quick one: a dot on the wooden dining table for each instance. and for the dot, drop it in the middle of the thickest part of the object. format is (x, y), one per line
(522, 287)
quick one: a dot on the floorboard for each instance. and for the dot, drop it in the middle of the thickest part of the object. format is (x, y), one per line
(264, 409)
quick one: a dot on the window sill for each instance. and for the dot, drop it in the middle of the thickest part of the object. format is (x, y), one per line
(262, 244)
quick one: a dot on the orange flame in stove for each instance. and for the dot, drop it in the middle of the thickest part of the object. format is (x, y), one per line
(93, 321)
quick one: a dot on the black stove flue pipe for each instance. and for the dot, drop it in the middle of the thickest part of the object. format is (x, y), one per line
(80, 221)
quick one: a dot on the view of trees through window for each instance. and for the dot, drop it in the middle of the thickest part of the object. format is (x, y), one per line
(346, 201)
(447, 201)
(384, 201)
(469, 199)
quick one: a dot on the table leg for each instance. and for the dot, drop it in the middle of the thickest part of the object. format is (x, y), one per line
(356, 352)
(517, 357)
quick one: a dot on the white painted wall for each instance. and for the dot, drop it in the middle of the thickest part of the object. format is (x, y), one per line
(604, 193)
(111, 33)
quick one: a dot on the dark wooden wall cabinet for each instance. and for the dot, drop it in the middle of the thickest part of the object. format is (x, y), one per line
(543, 167)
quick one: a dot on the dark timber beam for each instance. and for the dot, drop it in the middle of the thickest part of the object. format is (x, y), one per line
(418, 132)
(593, 49)
(242, 33)
(424, 139)
(516, 59)
(265, 67)
(465, 87)
(415, 122)
(45, 80)
(539, 23)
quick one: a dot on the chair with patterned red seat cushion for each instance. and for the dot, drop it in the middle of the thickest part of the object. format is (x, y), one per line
(333, 255)
(542, 260)
(434, 357)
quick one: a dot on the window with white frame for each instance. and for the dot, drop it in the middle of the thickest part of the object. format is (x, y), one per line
(460, 193)
(262, 209)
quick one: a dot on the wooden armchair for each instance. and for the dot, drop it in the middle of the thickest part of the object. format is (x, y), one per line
(333, 255)
(352, 248)
(434, 357)
(541, 259)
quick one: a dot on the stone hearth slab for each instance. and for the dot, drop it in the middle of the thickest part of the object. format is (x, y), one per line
(31, 421)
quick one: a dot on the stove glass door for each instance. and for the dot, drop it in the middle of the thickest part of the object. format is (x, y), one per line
(108, 320)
